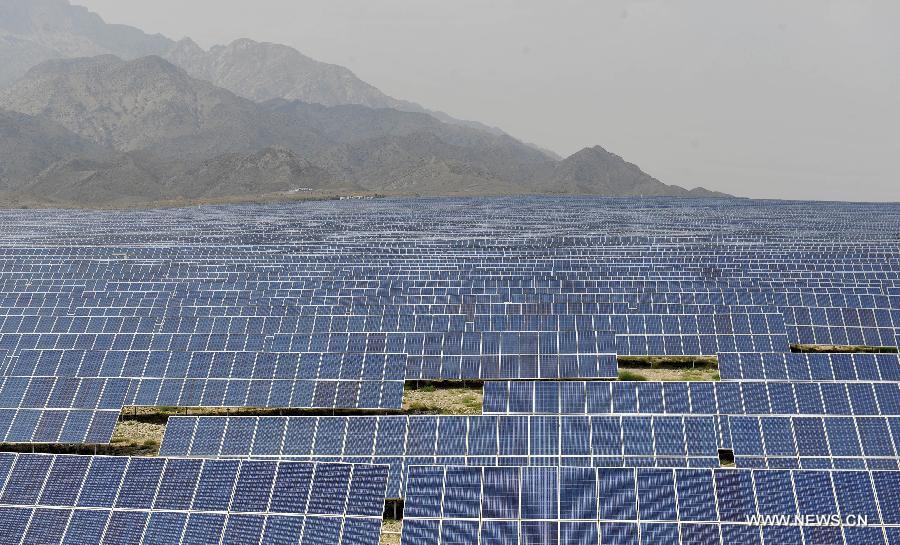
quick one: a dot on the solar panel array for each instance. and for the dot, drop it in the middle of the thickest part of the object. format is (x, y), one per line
(227, 379)
(796, 367)
(647, 506)
(53, 499)
(402, 441)
(714, 398)
(333, 305)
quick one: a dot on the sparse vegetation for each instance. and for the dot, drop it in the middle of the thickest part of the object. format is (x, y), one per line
(140, 438)
(631, 376)
(443, 398)
(390, 532)
(843, 349)
(668, 362)
(669, 368)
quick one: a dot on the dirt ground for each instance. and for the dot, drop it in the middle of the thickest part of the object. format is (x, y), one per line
(669, 374)
(842, 348)
(458, 399)
(140, 438)
(390, 532)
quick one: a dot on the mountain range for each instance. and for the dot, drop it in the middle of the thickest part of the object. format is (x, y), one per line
(93, 114)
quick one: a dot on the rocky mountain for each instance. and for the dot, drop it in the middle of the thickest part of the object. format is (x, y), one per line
(106, 130)
(272, 170)
(29, 145)
(595, 171)
(146, 104)
(138, 177)
(119, 116)
(264, 71)
(33, 31)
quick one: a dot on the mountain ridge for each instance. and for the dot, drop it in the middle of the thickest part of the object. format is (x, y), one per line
(106, 129)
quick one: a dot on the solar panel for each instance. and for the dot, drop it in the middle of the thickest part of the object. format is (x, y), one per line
(479, 355)
(698, 398)
(646, 505)
(203, 307)
(401, 441)
(211, 378)
(797, 367)
(115, 500)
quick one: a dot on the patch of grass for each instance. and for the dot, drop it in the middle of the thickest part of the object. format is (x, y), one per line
(668, 362)
(443, 398)
(699, 374)
(626, 375)
(390, 532)
(843, 349)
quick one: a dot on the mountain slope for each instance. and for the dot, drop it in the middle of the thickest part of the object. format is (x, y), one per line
(33, 31)
(145, 104)
(595, 171)
(271, 170)
(264, 71)
(108, 130)
(29, 145)
(135, 178)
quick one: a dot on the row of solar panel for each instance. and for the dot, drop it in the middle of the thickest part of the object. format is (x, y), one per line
(780, 366)
(803, 437)
(400, 441)
(841, 316)
(815, 442)
(113, 394)
(209, 365)
(624, 323)
(524, 366)
(57, 426)
(647, 506)
(714, 398)
(84, 500)
(634, 325)
(587, 341)
(842, 336)
(173, 342)
(779, 299)
(606, 441)
(321, 366)
(698, 345)
(299, 394)
(452, 343)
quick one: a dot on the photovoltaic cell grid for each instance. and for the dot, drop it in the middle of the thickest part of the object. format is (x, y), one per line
(54, 499)
(796, 367)
(842, 326)
(701, 398)
(777, 442)
(401, 441)
(57, 425)
(768, 274)
(220, 379)
(549, 505)
(479, 355)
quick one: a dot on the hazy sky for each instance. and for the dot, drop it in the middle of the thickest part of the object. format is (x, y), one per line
(762, 98)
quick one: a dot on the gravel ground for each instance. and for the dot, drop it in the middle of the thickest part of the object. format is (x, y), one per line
(443, 400)
(140, 438)
(668, 374)
(390, 532)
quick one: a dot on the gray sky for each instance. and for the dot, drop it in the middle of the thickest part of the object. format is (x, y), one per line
(762, 98)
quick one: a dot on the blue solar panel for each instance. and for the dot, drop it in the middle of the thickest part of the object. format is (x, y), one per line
(698, 398)
(646, 505)
(400, 441)
(70, 499)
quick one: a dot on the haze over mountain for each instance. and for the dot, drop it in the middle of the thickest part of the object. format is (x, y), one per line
(126, 126)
